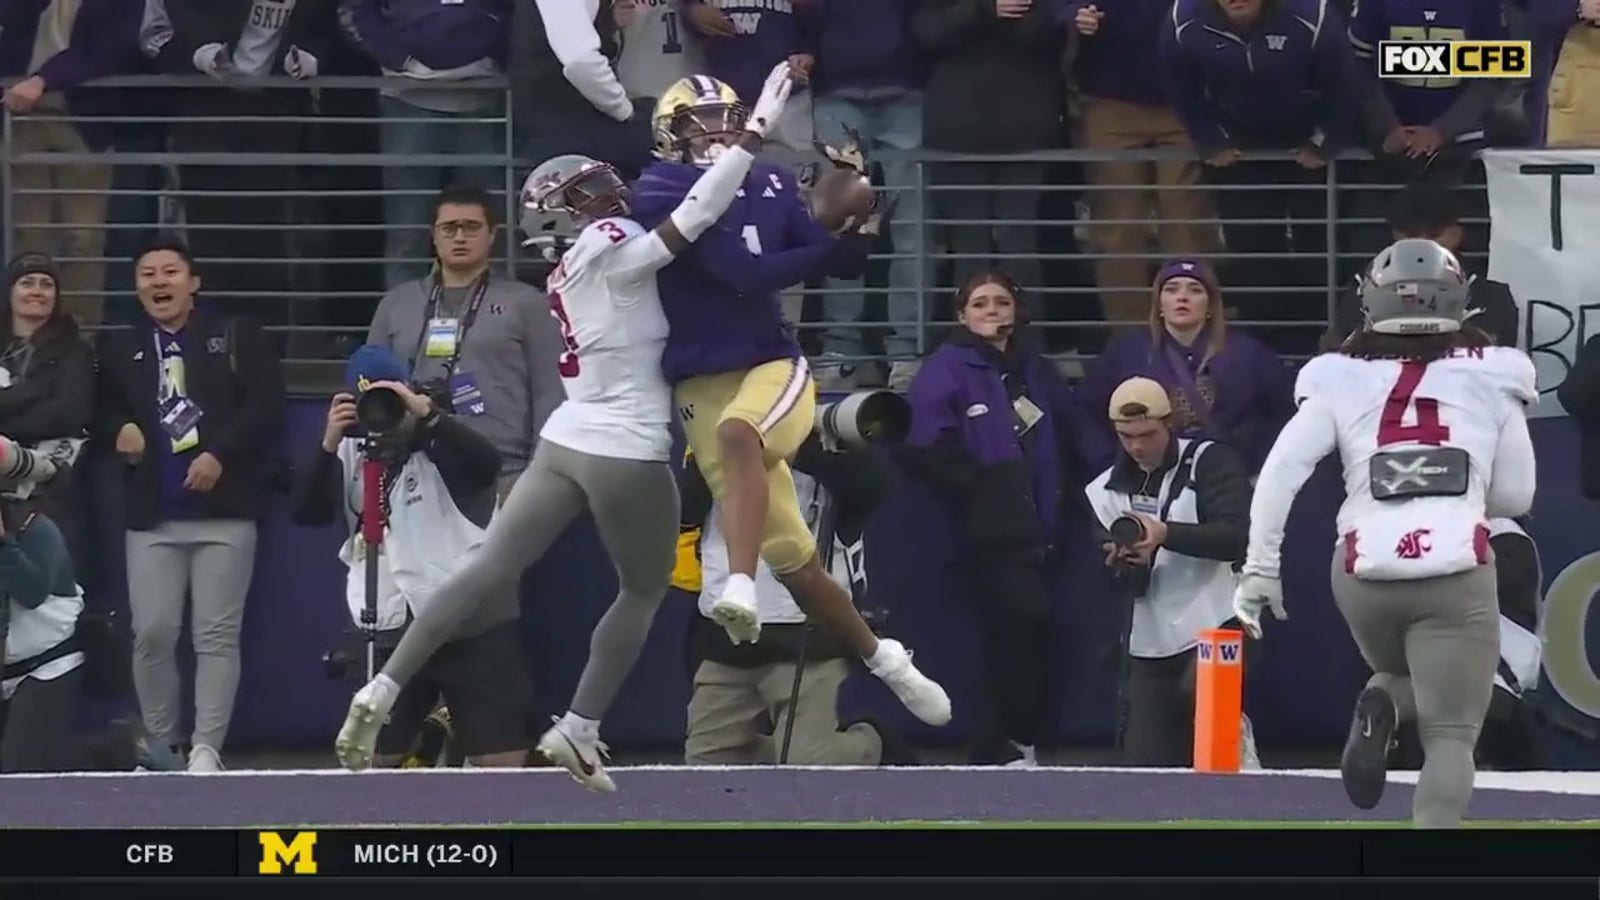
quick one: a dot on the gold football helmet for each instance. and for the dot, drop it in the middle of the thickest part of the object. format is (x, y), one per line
(692, 115)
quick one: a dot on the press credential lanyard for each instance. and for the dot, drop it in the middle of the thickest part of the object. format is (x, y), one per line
(480, 289)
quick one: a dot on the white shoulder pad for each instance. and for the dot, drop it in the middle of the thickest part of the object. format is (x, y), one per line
(1316, 377)
(1515, 372)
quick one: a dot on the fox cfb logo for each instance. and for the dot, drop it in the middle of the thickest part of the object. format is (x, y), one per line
(1455, 59)
(300, 853)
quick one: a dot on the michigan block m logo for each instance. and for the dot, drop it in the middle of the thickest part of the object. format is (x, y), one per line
(299, 853)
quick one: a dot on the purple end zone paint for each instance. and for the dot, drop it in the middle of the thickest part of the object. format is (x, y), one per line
(729, 795)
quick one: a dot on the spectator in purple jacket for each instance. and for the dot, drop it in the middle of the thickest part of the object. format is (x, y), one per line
(430, 43)
(869, 79)
(997, 435)
(59, 46)
(1267, 75)
(1225, 385)
(1561, 99)
(743, 39)
(994, 88)
(1123, 107)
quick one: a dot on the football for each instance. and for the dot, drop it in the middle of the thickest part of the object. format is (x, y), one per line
(841, 197)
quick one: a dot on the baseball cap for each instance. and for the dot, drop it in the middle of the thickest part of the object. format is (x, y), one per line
(1138, 399)
(371, 363)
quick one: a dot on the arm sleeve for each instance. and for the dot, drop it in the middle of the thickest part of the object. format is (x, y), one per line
(1222, 490)
(316, 493)
(467, 461)
(1311, 435)
(28, 561)
(1514, 478)
(256, 425)
(1185, 89)
(1336, 73)
(707, 201)
(364, 21)
(933, 451)
(570, 28)
(108, 48)
(64, 408)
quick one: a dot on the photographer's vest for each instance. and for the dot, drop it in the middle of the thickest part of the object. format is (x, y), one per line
(774, 604)
(1187, 595)
(1521, 652)
(40, 641)
(427, 539)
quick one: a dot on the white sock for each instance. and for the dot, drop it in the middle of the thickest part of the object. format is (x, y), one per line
(580, 727)
(885, 654)
(1028, 754)
(740, 585)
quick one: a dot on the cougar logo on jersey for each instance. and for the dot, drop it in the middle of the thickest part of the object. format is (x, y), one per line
(1414, 545)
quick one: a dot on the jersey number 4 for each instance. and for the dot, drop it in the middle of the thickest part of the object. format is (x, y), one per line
(1391, 426)
(568, 363)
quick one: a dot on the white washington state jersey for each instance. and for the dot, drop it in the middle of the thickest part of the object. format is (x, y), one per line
(1420, 444)
(603, 296)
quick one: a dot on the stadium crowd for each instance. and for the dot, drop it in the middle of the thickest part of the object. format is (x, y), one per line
(1208, 288)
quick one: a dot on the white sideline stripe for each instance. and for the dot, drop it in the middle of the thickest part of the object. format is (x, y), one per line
(1579, 783)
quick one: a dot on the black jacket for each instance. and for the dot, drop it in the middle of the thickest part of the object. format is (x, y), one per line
(233, 374)
(540, 92)
(1498, 314)
(312, 26)
(54, 397)
(994, 85)
(1222, 502)
(467, 461)
(1580, 395)
(858, 481)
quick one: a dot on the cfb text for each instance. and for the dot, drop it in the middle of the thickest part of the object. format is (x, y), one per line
(150, 854)
(1455, 59)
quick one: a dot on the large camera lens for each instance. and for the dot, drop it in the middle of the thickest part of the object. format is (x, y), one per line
(866, 417)
(380, 410)
(1126, 531)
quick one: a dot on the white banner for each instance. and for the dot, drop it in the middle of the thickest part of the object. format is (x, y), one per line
(1544, 210)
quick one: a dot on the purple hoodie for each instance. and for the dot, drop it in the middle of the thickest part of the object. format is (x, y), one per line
(1116, 62)
(104, 42)
(766, 33)
(866, 46)
(1254, 388)
(439, 35)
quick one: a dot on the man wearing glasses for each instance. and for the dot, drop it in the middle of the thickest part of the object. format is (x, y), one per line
(481, 343)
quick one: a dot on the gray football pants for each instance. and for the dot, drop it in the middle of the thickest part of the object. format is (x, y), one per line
(635, 508)
(1433, 645)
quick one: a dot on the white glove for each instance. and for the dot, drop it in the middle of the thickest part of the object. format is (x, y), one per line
(1256, 593)
(212, 59)
(299, 64)
(774, 94)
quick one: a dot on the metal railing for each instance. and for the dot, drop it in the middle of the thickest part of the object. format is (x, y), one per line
(337, 246)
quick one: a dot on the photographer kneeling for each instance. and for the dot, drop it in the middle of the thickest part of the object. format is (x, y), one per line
(436, 494)
(739, 689)
(45, 656)
(1176, 520)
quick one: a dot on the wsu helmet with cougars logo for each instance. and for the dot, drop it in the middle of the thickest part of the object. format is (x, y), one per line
(1415, 286)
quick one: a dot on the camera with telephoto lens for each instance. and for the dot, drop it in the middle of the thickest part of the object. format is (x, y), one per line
(380, 410)
(864, 418)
